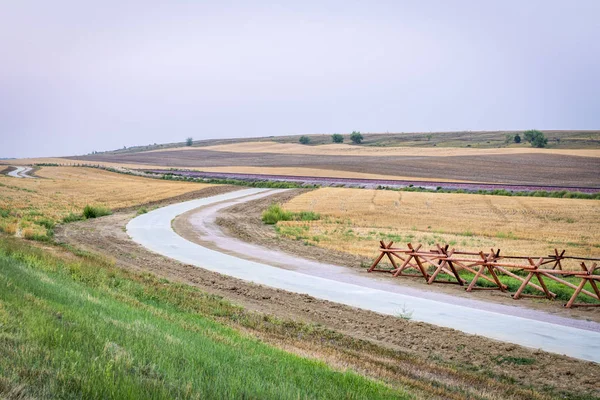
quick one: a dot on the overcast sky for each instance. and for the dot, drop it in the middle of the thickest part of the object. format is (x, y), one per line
(78, 76)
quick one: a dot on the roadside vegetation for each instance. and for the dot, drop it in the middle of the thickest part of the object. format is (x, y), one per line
(77, 327)
(275, 213)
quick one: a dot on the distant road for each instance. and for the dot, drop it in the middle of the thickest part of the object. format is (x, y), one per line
(21, 172)
(374, 183)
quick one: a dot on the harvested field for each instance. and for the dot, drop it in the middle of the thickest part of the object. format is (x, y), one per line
(353, 150)
(31, 207)
(533, 169)
(355, 220)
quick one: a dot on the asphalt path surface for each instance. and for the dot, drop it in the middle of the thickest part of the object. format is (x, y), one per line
(576, 338)
(21, 172)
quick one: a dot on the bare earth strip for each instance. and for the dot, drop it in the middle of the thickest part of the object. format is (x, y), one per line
(432, 349)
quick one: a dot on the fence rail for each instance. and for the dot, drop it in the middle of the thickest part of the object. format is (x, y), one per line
(430, 264)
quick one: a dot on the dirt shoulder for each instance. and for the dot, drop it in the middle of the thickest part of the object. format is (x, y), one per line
(392, 348)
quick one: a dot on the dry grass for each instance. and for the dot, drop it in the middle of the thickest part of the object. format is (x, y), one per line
(351, 150)
(29, 206)
(358, 219)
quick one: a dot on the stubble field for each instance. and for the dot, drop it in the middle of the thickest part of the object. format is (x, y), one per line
(31, 207)
(354, 221)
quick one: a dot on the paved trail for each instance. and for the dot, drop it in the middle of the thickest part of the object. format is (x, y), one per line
(534, 329)
(21, 172)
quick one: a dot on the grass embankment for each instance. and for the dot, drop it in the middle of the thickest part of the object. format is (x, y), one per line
(32, 207)
(84, 329)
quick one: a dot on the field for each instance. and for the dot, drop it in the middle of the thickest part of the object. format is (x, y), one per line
(566, 170)
(355, 220)
(354, 150)
(31, 207)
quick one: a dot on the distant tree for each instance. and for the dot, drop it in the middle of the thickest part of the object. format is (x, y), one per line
(304, 139)
(517, 138)
(356, 137)
(337, 138)
(509, 138)
(429, 136)
(536, 138)
(189, 141)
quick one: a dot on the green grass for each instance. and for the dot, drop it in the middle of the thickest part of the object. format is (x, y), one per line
(276, 213)
(84, 329)
(562, 292)
(72, 217)
(142, 210)
(95, 211)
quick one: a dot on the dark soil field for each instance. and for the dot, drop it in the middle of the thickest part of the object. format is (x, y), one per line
(529, 169)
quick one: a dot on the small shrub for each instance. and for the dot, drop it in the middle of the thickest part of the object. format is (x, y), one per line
(72, 217)
(304, 139)
(95, 211)
(142, 210)
(517, 138)
(274, 214)
(337, 138)
(356, 137)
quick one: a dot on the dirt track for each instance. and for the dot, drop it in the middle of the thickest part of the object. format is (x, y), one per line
(531, 169)
(106, 236)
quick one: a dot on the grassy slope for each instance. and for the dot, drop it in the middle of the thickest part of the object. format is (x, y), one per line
(79, 329)
(568, 140)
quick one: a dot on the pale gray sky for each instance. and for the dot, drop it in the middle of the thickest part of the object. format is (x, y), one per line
(77, 76)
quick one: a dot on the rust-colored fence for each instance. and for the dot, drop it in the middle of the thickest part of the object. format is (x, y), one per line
(430, 264)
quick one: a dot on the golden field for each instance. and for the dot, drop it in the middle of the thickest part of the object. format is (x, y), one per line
(354, 221)
(27, 204)
(353, 150)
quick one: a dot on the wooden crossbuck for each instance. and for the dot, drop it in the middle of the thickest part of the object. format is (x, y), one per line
(442, 261)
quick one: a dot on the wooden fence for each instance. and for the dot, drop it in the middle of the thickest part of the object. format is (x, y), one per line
(430, 264)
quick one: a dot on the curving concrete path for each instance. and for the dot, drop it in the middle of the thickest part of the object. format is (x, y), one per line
(154, 231)
(21, 172)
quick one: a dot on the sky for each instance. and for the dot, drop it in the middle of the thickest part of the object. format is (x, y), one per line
(80, 76)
